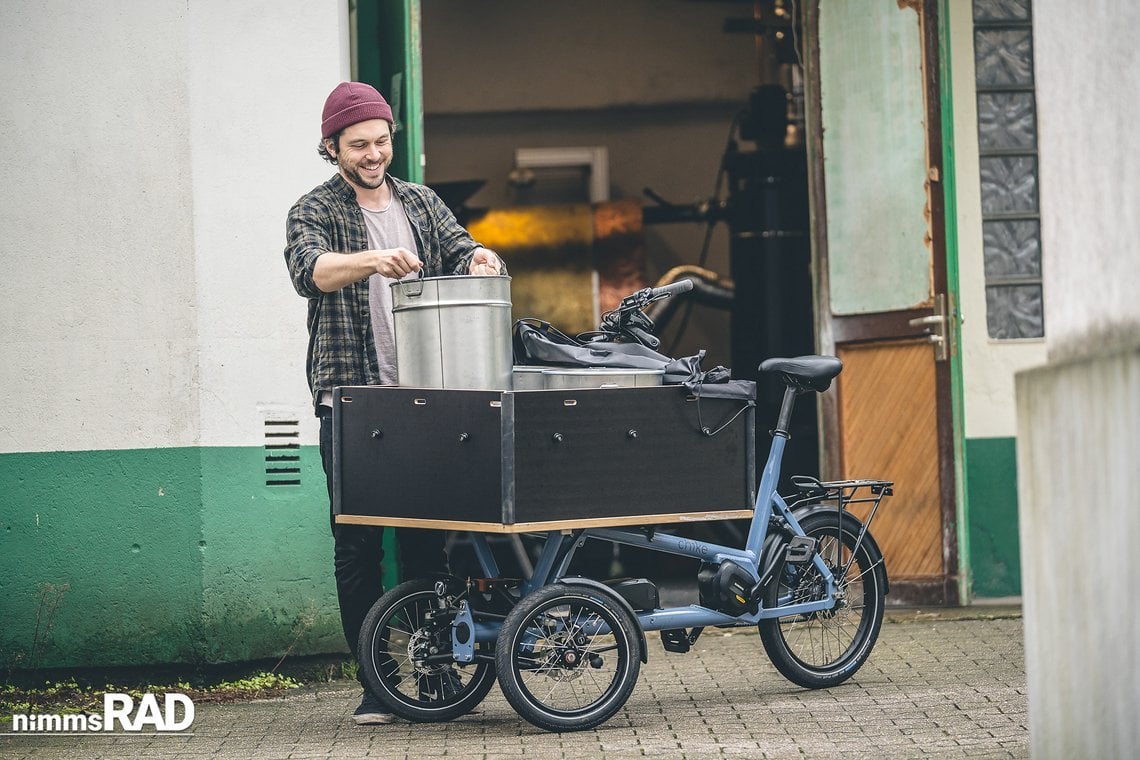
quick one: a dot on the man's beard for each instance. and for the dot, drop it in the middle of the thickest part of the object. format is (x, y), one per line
(354, 175)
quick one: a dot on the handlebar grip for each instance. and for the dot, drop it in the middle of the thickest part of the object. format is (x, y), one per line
(681, 286)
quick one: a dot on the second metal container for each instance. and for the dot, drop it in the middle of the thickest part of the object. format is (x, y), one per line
(599, 377)
(528, 377)
(453, 332)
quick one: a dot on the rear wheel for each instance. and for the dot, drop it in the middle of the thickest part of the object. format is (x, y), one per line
(396, 643)
(825, 648)
(568, 657)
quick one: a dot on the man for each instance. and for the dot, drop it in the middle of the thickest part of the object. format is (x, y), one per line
(347, 241)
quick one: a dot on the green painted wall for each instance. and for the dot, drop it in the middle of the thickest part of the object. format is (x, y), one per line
(995, 553)
(166, 555)
(267, 571)
(119, 530)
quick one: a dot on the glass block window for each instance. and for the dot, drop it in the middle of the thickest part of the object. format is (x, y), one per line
(1007, 141)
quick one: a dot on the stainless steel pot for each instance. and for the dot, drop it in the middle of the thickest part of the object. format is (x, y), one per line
(453, 332)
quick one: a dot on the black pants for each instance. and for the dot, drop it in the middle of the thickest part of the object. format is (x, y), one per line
(358, 551)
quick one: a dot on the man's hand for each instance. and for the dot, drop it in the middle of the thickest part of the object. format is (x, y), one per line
(397, 262)
(334, 271)
(485, 261)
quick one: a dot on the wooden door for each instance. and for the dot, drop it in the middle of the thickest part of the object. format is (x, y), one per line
(878, 234)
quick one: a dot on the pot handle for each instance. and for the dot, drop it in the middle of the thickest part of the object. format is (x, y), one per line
(418, 281)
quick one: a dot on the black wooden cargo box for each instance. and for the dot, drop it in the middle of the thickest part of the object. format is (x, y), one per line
(527, 460)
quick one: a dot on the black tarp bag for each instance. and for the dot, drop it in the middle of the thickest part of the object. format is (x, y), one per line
(536, 342)
(541, 343)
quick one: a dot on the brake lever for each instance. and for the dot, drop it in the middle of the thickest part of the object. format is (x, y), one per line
(635, 301)
(643, 337)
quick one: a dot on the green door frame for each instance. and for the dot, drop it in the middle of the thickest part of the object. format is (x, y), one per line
(950, 227)
(389, 56)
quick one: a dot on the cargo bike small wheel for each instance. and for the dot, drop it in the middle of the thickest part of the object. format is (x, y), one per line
(404, 654)
(568, 656)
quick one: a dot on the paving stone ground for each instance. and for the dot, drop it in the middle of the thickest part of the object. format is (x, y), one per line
(938, 684)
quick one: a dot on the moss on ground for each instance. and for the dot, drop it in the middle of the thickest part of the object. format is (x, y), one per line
(82, 690)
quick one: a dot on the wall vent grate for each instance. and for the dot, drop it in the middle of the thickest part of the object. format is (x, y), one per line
(282, 453)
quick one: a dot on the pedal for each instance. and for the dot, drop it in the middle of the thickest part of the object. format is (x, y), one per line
(801, 549)
(679, 640)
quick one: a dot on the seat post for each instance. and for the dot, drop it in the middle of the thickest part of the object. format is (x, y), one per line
(786, 406)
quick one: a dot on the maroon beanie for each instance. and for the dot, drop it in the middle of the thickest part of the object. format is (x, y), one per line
(353, 102)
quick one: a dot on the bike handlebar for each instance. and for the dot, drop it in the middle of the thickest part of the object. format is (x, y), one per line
(646, 296)
(675, 289)
(628, 321)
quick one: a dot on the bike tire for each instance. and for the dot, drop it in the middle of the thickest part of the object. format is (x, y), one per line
(549, 656)
(823, 649)
(429, 694)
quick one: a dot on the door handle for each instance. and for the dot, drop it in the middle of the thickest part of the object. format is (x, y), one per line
(934, 319)
(937, 327)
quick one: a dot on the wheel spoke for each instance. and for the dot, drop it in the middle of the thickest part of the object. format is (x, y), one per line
(859, 577)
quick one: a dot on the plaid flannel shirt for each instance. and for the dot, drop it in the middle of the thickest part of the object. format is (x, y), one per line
(342, 350)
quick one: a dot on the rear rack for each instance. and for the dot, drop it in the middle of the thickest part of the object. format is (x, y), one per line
(841, 493)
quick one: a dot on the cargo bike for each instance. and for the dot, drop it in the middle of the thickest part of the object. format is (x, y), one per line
(610, 464)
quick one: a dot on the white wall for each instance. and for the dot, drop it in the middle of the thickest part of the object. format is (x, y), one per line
(153, 151)
(988, 365)
(98, 334)
(1077, 455)
(1090, 189)
(1079, 416)
(258, 78)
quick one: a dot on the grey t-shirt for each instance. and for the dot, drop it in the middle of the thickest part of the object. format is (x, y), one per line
(387, 228)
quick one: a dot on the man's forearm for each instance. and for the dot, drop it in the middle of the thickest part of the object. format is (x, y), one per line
(332, 271)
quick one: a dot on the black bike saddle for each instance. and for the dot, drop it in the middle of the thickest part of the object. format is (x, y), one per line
(805, 373)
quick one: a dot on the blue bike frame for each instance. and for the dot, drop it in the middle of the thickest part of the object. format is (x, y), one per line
(559, 548)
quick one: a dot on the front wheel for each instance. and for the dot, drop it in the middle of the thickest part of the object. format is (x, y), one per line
(822, 649)
(406, 626)
(568, 657)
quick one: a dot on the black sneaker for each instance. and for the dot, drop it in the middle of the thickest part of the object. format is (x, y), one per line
(439, 686)
(371, 712)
